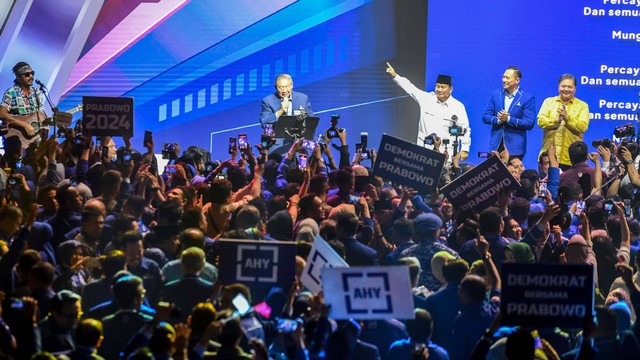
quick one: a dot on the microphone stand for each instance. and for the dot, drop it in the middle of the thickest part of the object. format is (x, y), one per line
(53, 108)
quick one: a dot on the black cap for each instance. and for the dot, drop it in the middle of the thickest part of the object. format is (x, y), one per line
(444, 79)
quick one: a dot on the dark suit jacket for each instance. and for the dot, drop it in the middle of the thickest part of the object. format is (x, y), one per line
(272, 103)
(358, 254)
(186, 293)
(365, 350)
(522, 117)
(119, 329)
(95, 293)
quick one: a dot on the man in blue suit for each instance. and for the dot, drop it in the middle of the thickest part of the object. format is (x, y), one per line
(510, 112)
(284, 101)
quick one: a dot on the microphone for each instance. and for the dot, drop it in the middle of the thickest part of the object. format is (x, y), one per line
(40, 83)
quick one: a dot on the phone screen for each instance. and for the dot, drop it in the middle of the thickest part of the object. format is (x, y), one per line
(241, 304)
(287, 325)
(263, 309)
(242, 141)
(542, 192)
(268, 129)
(232, 144)
(303, 161)
(608, 207)
(308, 144)
(627, 207)
(168, 147)
(483, 154)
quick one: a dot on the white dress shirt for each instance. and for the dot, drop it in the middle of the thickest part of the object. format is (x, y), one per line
(434, 114)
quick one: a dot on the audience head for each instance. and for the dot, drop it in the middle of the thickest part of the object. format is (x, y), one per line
(578, 152)
(491, 222)
(66, 309)
(472, 290)
(128, 292)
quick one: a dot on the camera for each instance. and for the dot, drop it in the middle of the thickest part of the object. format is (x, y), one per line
(626, 130)
(430, 139)
(457, 130)
(606, 143)
(334, 129)
(630, 145)
(169, 151)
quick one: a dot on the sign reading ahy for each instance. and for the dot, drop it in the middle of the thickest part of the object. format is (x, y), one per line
(269, 263)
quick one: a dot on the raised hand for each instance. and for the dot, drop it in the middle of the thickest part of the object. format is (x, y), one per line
(391, 71)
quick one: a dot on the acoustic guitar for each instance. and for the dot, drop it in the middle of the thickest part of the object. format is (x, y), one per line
(32, 119)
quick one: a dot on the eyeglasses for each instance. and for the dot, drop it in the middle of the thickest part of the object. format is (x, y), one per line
(28, 73)
(283, 87)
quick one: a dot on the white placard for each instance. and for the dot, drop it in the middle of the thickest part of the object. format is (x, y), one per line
(368, 292)
(322, 255)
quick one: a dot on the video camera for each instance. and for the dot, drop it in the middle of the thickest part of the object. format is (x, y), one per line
(333, 131)
(626, 130)
(457, 130)
(606, 143)
(431, 139)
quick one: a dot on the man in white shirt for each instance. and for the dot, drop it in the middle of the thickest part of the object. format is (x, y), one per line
(437, 110)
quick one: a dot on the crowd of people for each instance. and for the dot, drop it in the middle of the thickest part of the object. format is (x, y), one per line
(104, 255)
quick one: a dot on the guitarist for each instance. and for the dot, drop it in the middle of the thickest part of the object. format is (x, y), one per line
(19, 100)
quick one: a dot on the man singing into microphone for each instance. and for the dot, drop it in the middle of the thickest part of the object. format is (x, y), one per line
(284, 101)
(20, 100)
(438, 110)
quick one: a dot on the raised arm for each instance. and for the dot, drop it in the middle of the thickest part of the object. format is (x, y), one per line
(482, 247)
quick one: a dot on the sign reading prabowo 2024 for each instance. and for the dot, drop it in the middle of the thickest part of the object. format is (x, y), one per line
(322, 255)
(107, 116)
(368, 292)
(478, 188)
(257, 263)
(408, 164)
(546, 295)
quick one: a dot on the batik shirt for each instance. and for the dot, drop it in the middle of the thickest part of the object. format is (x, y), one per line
(17, 103)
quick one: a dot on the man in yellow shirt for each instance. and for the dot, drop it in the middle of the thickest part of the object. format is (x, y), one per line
(564, 118)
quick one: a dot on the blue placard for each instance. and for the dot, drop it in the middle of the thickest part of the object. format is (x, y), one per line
(479, 187)
(257, 263)
(408, 164)
(546, 295)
